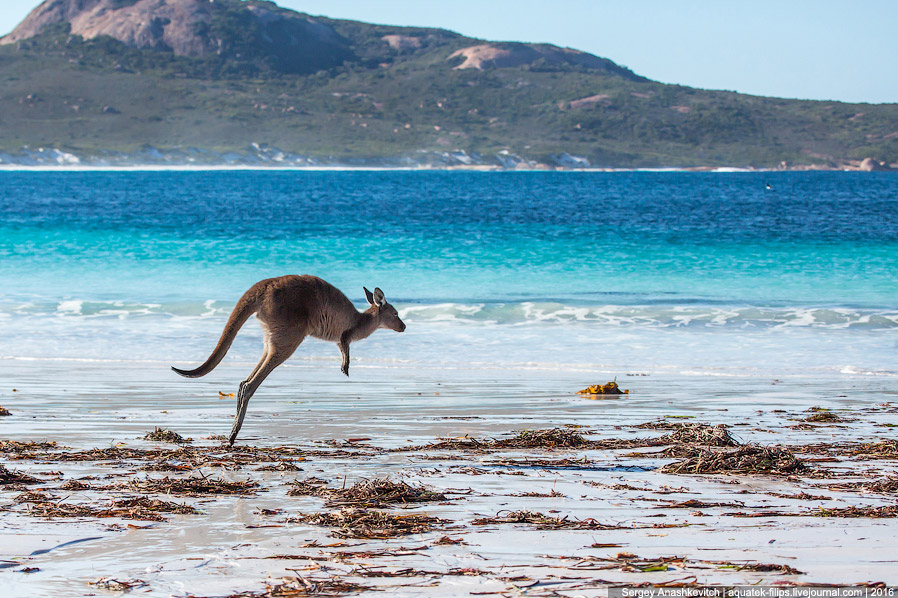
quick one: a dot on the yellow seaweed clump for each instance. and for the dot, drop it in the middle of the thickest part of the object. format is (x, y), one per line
(609, 388)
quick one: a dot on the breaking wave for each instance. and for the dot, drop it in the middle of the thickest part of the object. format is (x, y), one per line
(659, 316)
(506, 314)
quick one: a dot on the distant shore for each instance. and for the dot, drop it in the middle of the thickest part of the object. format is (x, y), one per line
(264, 157)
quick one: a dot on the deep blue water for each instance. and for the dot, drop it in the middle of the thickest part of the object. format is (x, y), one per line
(623, 250)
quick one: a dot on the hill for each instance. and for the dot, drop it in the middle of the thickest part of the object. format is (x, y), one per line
(232, 81)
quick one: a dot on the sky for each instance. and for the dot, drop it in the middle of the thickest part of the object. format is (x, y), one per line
(809, 49)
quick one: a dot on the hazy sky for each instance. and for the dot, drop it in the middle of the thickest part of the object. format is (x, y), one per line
(815, 49)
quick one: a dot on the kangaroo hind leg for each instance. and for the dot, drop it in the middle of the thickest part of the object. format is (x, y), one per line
(266, 351)
(278, 348)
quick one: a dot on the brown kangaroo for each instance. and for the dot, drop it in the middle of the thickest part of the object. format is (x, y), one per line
(289, 309)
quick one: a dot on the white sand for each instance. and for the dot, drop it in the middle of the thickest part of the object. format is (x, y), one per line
(84, 405)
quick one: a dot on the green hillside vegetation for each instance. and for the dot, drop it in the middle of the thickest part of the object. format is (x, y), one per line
(358, 100)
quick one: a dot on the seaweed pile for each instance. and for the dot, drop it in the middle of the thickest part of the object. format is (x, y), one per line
(747, 459)
(541, 521)
(660, 424)
(365, 493)
(299, 586)
(19, 446)
(79, 485)
(824, 417)
(876, 512)
(116, 585)
(700, 434)
(852, 512)
(309, 487)
(192, 486)
(759, 567)
(161, 435)
(549, 439)
(887, 485)
(182, 458)
(553, 438)
(370, 493)
(353, 522)
(883, 449)
(681, 434)
(16, 478)
(632, 563)
(142, 508)
(281, 466)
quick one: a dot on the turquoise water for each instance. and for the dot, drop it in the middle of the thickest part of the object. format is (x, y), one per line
(616, 272)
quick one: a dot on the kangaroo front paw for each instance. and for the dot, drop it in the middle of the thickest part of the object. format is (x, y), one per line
(345, 369)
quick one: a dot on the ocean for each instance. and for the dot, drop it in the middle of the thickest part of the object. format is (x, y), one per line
(766, 274)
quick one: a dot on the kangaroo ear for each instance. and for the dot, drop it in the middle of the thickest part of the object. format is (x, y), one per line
(369, 296)
(379, 298)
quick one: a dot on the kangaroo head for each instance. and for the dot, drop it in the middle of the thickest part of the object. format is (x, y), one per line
(386, 314)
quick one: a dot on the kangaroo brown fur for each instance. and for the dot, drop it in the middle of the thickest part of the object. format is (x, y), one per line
(290, 308)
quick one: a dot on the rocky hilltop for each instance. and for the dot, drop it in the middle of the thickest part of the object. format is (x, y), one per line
(170, 25)
(245, 81)
(196, 28)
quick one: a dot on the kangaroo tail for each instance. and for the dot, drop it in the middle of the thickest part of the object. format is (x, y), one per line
(247, 306)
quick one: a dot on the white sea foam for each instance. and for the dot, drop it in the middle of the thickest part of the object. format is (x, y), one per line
(70, 307)
(702, 316)
(208, 306)
(858, 371)
(508, 314)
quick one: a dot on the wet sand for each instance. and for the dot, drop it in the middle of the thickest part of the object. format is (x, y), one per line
(545, 520)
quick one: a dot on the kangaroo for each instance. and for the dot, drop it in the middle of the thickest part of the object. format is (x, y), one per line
(289, 308)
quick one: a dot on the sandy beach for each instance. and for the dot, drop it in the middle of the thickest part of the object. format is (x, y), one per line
(585, 508)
